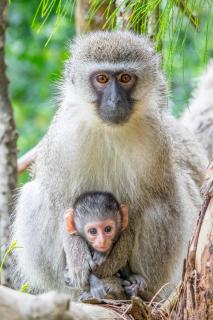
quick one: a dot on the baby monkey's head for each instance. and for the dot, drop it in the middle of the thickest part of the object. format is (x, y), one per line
(98, 218)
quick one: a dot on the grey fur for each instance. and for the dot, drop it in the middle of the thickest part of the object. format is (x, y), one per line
(150, 162)
(198, 117)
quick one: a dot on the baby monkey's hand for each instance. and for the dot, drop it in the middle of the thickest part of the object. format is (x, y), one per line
(79, 278)
(134, 285)
(99, 258)
(98, 289)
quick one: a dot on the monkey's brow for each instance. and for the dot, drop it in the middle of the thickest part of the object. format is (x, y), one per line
(117, 71)
(111, 67)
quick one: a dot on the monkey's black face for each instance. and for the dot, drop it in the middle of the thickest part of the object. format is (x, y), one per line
(113, 89)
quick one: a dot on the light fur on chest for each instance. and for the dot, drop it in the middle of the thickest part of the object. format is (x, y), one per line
(105, 159)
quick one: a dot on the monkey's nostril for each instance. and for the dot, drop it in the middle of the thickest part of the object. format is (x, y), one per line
(112, 104)
(116, 101)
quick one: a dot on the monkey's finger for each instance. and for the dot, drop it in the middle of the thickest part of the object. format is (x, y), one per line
(100, 293)
(132, 290)
(142, 285)
(134, 287)
(126, 283)
(85, 296)
(128, 291)
(92, 265)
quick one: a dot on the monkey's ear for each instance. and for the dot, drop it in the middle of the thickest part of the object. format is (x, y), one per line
(125, 216)
(70, 222)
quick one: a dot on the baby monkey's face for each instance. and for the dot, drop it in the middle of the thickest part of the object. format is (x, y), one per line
(100, 231)
(101, 234)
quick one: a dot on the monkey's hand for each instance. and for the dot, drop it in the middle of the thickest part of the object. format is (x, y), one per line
(99, 258)
(79, 262)
(97, 289)
(134, 285)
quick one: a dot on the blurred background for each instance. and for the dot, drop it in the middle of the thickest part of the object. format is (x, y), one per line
(39, 33)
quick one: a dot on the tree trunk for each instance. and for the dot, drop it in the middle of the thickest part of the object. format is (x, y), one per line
(8, 137)
(195, 300)
(92, 18)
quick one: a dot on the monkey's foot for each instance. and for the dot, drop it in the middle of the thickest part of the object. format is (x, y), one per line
(134, 285)
(132, 290)
(99, 292)
(98, 289)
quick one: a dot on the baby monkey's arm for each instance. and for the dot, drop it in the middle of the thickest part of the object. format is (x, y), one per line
(118, 256)
(79, 261)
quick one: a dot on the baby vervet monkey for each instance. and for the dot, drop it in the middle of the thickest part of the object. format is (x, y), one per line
(99, 219)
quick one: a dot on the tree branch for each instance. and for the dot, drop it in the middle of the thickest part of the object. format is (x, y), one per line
(26, 160)
(15, 305)
(196, 295)
(8, 138)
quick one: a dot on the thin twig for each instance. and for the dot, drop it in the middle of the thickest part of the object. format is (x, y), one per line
(157, 293)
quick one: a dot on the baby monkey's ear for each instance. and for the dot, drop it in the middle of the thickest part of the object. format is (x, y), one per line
(70, 221)
(124, 209)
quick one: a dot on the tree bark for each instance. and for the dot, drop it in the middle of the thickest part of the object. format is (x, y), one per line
(8, 138)
(91, 20)
(195, 300)
(15, 305)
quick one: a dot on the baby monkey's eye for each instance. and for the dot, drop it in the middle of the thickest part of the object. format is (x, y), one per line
(102, 78)
(92, 231)
(108, 229)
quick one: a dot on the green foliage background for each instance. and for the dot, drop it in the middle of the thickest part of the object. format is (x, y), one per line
(33, 68)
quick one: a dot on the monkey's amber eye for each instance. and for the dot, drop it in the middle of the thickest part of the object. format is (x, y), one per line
(108, 229)
(125, 78)
(92, 231)
(102, 78)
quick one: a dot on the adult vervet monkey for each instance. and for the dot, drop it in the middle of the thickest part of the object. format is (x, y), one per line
(112, 132)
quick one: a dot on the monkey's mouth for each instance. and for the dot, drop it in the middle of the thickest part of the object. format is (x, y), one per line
(102, 249)
(118, 116)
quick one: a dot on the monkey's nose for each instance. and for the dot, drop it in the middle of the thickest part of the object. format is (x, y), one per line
(112, 104)
(102, 243)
